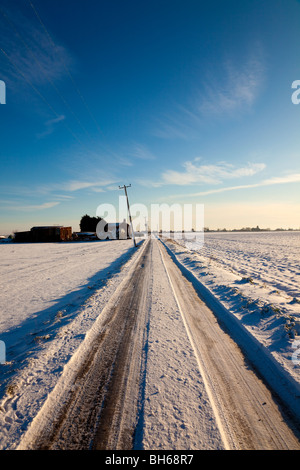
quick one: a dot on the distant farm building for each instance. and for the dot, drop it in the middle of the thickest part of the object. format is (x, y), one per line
(46, 234)
(115, 231)
(85, 236)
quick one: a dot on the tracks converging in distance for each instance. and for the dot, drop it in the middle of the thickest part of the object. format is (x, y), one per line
(102, 408)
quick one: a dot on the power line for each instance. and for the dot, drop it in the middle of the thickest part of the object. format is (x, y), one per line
(38, 92)
(41, 68)
(65, 66)
(70, 76)
(35, 89)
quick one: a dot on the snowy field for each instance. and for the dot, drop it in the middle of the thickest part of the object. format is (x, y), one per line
(270, 257)
(256, 276)
(51, 296)
(47, 306)
(39, 279)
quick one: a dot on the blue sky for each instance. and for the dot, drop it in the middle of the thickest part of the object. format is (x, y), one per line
(187, 101)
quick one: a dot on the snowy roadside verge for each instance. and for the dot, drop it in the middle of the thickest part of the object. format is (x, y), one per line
(53, 408)
(262, 336)
(31, 386)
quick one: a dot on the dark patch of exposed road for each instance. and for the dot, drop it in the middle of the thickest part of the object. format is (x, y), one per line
(101, 410)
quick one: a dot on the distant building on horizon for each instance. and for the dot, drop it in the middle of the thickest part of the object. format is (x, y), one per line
(44, 234)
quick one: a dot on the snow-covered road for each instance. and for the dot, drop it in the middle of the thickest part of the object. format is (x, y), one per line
(190, 386)
(248, 417)
(51, 296)
(151, 394)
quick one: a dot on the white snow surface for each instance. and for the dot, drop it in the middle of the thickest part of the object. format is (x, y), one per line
(51, 296)
(256, 277)
(177, 412)
(44, 277)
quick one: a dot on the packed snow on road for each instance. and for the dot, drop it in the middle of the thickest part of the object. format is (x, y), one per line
(52, 294)
(256, 276)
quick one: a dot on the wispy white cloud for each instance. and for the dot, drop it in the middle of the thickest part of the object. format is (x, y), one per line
(124, 161)
(209, 174)
(142, 152)
(238, 89)
(132, 152)
(195, 173)
(50, 126)
(229, 89)
(292, 178)
(149, 183)
(34, 207)
(178, 125)
(112, 187)
(59, 192)
(288, 179)
(28, 55)
(63, 197)
(97, 185)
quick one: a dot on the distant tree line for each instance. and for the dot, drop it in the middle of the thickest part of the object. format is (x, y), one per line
(89, 224)
(250, 229)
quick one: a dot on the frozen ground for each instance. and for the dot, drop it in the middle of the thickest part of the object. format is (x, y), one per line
(256, 276)
(38, 279)
(52, 295)
(272, 258)
(47, 306)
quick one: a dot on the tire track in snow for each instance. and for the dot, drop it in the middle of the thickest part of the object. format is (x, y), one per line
(103, 374)
(99, 391)
(247, 415)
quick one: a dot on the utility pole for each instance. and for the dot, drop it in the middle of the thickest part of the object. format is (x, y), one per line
(128, 207)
